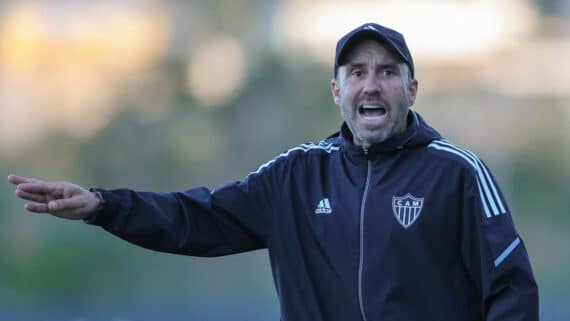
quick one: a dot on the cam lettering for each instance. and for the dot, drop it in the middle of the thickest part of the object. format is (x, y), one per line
(408, 203)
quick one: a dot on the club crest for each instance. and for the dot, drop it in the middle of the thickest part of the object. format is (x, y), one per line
(407, 209)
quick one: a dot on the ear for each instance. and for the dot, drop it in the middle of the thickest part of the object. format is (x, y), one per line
(335, 90)
(413, 90)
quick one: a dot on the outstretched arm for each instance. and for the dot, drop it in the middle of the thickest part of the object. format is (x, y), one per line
(231, 219)
(61, 199)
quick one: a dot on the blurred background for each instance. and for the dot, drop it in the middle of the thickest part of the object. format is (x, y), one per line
(167, 95)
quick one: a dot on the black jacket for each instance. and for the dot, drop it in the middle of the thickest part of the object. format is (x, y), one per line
(415, 228)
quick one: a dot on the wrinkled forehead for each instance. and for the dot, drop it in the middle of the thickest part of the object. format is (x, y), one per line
(367, 49)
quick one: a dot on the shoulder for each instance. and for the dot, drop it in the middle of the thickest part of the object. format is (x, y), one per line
(454, 155)
(482, 180)
(302, 152)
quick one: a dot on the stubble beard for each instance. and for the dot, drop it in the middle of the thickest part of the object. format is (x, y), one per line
(391, 129)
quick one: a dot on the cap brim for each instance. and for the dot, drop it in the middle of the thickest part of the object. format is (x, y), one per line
(366, 35)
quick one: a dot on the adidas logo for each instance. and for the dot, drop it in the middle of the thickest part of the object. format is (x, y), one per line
(324, 207)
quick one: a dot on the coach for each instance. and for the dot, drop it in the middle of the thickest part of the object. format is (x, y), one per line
(384, 220)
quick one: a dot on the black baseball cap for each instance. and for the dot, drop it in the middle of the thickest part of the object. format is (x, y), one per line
(393, 39)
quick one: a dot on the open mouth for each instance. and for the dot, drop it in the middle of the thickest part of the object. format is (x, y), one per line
(370, 111)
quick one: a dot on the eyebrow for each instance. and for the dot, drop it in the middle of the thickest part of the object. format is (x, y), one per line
(392, 65)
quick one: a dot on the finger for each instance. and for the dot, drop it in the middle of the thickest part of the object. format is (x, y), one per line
(40, 198)
(37, 208)
(39, 187)
(15, 179)
(66, 204)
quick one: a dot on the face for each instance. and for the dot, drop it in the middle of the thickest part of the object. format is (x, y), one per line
(374, 92)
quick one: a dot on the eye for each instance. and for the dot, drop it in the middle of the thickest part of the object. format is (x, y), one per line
(388, 72)
(356, 73)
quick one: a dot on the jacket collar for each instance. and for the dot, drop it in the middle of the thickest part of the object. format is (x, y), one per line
(389, 146)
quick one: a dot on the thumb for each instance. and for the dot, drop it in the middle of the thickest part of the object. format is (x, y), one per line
(75, 208)
(54, 205)
(64, 204)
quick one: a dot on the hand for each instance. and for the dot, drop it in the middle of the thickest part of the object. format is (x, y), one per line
(61, 199)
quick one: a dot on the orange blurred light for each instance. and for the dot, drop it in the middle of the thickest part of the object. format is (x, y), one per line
(61, 66)
(21, 38)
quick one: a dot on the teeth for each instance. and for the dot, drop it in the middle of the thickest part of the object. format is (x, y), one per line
(370, 107)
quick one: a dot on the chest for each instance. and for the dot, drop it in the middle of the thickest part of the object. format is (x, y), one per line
(391, 206)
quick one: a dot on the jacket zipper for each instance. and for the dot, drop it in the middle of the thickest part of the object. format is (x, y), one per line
(361, 262)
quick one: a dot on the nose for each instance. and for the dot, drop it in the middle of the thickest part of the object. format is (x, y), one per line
(372, 85)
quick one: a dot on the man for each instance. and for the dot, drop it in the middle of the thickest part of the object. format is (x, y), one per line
(384, 220)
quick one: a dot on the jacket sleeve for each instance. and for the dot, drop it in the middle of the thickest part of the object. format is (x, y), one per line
(231, 219)
(494, 254)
